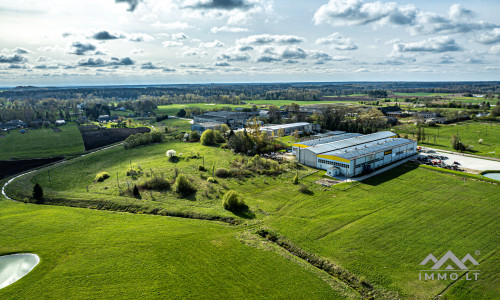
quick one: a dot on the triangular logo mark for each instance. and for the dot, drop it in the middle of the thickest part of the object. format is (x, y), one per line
(449, 267)
(450, 256)
(429, 257)
(468, 257)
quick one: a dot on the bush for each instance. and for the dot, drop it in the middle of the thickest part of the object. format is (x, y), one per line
(38, 194)
(100, 177)
(232, 201)
(171, 153)
(208, 138)
(134, 171)
(155, 183)
(201, 168)
(219, 138)
(139, 139)
(304, 189)
(182, 186)
(296, 179)
(136, 193)
(194, 136)
(222, 173)
(211, 180)
(481, 141)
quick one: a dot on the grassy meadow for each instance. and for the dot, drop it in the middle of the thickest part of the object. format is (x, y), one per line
(379, 230)
(88, 254)
(40, 143)
(470, 133)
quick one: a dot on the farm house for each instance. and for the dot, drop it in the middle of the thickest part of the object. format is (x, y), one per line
(356, 155)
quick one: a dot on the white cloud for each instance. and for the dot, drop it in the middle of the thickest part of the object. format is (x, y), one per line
(263, 39)
(172, 25)
(141, 37)
(231, 29)
(436, 45)
(337, 41)
(214, 44)
(168, 44)
(490, 37)
(495, 49)
(179, 36)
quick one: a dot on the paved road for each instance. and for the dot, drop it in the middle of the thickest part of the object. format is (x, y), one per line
(468, 162)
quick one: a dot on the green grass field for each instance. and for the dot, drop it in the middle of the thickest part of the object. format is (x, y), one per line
(378, 230)
(87, 254)
(41, 143)
(470, 133)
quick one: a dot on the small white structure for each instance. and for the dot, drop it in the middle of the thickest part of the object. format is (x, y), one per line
(60, 122)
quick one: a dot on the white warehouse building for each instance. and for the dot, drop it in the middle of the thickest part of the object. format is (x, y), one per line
(354, 156)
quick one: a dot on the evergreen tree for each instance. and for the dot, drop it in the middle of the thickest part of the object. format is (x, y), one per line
(38, 194)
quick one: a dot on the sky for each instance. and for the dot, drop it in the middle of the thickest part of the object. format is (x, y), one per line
(102, 42)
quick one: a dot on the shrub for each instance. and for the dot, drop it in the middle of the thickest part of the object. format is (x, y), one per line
(182, 186)
(134, 171)
(219, 138)
(194, 136)
(232, 201)
(136, 193)
(481, 141)
(100, 177)
(208, 138)
(139, 139)
(38, 194)
(211, 180)
(304, 189)
(171, 153)
(222, 173)
(296, 179)
(201, 168)
(156, 183)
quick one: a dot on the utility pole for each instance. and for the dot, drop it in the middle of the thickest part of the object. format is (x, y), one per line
(117, 182)
(50, 181)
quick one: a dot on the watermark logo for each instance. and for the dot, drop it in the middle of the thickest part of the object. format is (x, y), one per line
(448, 267)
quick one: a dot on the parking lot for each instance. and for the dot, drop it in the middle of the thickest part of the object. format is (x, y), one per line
(464, 162)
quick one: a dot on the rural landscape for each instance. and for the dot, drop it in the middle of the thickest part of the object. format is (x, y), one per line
(177, 182)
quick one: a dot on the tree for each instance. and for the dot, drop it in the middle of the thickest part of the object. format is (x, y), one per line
(181, 113)
(296, 179)
(208, 138)
(457, 144)
(136, 192)
(38, 194)
(281, 132)
(232, 201)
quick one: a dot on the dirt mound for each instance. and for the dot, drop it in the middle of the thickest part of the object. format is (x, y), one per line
(93, 139)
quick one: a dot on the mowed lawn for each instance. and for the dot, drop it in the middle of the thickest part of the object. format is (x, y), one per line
(470, 133)
(88, 254)
(40, 143)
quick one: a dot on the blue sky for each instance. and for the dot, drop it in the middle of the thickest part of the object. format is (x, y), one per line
(58, 42)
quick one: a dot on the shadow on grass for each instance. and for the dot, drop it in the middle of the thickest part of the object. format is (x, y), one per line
(391, 174)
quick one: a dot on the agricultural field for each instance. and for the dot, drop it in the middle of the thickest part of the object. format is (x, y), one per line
(174, 108)
(379, 230)
(470, 133)
(40, 143)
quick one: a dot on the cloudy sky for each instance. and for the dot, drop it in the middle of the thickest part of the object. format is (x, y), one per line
(61, 42)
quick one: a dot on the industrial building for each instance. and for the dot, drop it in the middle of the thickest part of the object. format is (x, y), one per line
(301, 127)
(310, 143)
(355, 155)
(200, 127)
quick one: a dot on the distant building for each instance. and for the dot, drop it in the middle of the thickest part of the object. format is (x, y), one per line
(60, 122)
(200, 127)
(233, 119)
(389, 109)
(14, 124)
(106, 119)
(288, 129)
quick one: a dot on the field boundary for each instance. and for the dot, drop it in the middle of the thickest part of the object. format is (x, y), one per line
(360, 285)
